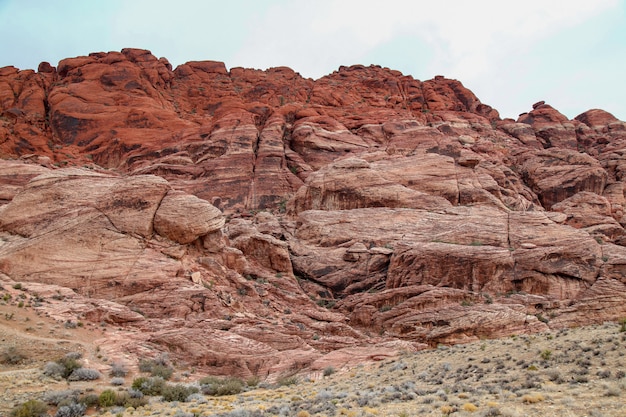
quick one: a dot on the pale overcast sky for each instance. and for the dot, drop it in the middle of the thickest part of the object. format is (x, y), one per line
(572, 54)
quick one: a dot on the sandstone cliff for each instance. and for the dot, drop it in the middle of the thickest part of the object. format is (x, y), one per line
(257, 222)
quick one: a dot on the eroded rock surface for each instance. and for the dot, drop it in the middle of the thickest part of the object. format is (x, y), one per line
(257, 222)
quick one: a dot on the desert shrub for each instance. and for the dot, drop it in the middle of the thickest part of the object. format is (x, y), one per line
(197, 397)
(469, 407)
(134, 402)
(134, 393)
(546, 354)
(84, 374)
(243, 413)
(118, 370)
(74, 355)
(138, 382)
(121, 398)
(178, 392)
(253, 381)
(54, 370)
(211, 385)
(11, 356)
(157, 367)
(31, 408)
(69, 364)
(58, 397)
(532, 398)
(145, 365)
(447, 409)
(287, 380)
(162, 371)
(329, 371)
(555, 376)
(107, 398)
(117, 381)
(491, 412)
(71, 410)
(183, 414)
(149, 386)
(90, 400)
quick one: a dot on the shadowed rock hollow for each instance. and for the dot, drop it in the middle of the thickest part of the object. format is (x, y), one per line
(257, 222)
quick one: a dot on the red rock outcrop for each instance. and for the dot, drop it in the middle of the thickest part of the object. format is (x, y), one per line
(257, 222)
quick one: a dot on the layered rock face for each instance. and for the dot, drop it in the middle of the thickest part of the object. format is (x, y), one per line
(256, 222)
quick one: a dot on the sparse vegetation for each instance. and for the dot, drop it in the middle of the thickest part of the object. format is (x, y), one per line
(149, 385)
(158, 367)
(30, 408)
(84, 374)
(11, 356)
(216, 386)
(71, 410)
(521, 375)
(107, 398)
(178, 392)
(118, 370)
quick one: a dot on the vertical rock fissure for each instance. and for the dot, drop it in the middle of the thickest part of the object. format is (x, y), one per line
(458, 187)
(252, 203)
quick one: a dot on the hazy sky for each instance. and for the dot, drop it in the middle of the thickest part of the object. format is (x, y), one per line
(511, 54)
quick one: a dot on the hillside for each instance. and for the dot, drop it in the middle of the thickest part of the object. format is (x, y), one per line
(257, 223)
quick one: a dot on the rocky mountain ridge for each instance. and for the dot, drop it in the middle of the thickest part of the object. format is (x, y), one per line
(257, 222)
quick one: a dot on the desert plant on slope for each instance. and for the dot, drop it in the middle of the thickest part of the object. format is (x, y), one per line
(84, 374)
(31, 408)
(11, 356)
(63, 396)
(178, 392)
(107, 398)
(149, 386)
(62, 367)
(157, 367)
(118, 370)
(211, 385)
(71, 410)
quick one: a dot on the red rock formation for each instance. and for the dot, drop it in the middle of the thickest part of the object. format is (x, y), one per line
(257, 222)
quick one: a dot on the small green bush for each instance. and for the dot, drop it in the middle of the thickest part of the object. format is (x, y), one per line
(107, 398)
(149, 386)
(31, 408)
(134, 402)
(157, 367)
(69, 364)
(177, 392)
(162, 371)
(90, 400)
(546, 354)
(145, 365)
(211, 385)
